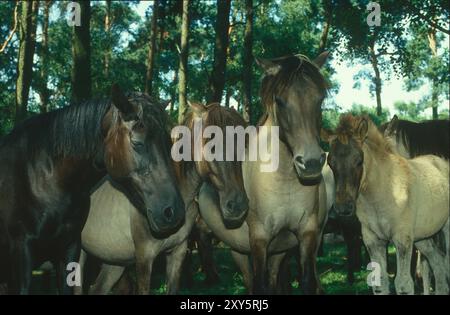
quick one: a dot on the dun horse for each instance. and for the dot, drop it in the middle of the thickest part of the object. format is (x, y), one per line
(50, 163)
(288, 206)
(398, 200)
(119, 235)
(411, 139)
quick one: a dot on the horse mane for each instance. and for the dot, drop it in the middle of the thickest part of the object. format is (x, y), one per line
(293, 67)
(74, 130)
(426, 137)
(347, 128)
(217, 116)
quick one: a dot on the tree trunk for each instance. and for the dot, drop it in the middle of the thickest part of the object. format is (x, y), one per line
(152, 48)
(173, 94)
(81, 54)
(44, 93)
(182, 72)
(27, 37)
(434, 93)
(227, 96)
(220, 51)
(377, 78)
(326, 25)
(108, 24)
(248, 61)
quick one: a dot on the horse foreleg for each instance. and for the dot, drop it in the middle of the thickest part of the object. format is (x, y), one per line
(424, 267)
(107, 278)
(308, 237)
(308, 274)
(404, 283)
(258, 247)
(438, 264)
(206, 253)
(78, 290)
(243, 264)
(174, 263)
(22, 268)
(284, 275)
(144, 264)
(377, 252)
(274, 263)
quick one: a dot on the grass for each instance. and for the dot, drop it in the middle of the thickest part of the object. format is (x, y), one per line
(331, 267)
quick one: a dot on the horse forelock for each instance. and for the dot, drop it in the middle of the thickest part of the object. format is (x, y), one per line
(347, 129)
(294, 70)
(215, 115)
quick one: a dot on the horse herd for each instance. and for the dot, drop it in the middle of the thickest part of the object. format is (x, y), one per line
(96, 180)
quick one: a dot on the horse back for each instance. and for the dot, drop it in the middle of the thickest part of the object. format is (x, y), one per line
(429, 193)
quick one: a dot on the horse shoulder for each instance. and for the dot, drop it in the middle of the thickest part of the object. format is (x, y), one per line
(107, 232)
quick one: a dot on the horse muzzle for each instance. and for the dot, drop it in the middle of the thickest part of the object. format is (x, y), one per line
(309, 171)
(235, 211)
(345, 210)
(167, 219)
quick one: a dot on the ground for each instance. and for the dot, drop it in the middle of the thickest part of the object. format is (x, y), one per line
(331, 267)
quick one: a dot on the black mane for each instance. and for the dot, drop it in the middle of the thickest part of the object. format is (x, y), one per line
(427, 137)
(74, 130)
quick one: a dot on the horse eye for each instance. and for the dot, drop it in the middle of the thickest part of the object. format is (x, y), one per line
(360, 163)
(137, 144)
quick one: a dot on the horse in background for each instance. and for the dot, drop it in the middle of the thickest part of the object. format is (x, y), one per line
(411, 139)
(395, 199)
(118, 235)
(49, 164)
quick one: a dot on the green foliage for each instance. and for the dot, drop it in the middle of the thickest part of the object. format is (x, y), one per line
(280, 28)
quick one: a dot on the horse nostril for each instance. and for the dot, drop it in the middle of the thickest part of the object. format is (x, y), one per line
(168, 213)
(230, 205)
(299, 160)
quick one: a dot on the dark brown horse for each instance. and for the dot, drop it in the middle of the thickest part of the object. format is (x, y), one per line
(412, 139)
(50, 163)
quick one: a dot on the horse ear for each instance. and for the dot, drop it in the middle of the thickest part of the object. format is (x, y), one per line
(392, 125)
(325, 134)
(165, 103)
(121, 102)
(363, 129)
(269, 67)
(197, 108)
(321, 59)
(394, 119)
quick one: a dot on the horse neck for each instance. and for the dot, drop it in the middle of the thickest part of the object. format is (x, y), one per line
(375, 167)
(284, 155)
(190, 182)
(76, 172)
